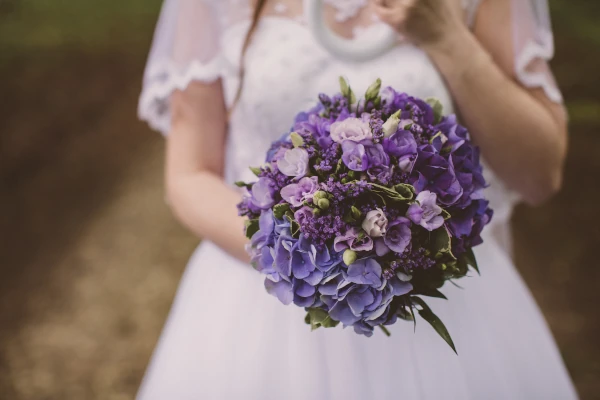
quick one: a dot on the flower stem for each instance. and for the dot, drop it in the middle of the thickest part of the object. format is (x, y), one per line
(385, 330)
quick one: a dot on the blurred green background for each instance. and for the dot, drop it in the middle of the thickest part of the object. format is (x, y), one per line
(90, 256)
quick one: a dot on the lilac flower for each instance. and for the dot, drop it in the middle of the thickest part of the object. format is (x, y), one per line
(355, 156)
(375, 223)
(263, 192)
(376, 155)
(398, 235)
(353, 239)
(425, 211)
(294, 163)
(353, 129)
(297, 193)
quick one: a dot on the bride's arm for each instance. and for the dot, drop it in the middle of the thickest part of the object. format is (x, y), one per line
(522, 133)
(195, 188)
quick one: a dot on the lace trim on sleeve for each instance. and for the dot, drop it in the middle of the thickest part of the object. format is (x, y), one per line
(533, 72)
(162, 80)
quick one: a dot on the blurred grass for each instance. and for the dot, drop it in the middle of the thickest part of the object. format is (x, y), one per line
(87, 23)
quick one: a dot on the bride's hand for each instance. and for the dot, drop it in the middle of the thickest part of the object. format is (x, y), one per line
(424, 22)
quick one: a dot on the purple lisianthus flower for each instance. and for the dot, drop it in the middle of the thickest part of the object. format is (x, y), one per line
(387, 95)
(382, 173)
(375, 223)
(296, 193)
(401, 143)
(294, 163)
(469, 173)
(376, 155)
(353, 129)
(262, 193)
(398, 235)
(425, 211)
(278, 148)
(355, 156)
(434, 173)
(317, 127)
(457, 135)
(353, 240)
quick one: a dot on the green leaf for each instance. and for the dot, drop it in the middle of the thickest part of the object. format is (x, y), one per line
(255, 170)
(446, 214)
(412, 312)
(471, 260)
(296, 139)
(251, 227)
(401, 193)
(317, 318)
(433, 320)
(385, 330)
(280, 209)
(430, 292)
(438, 109)
(243, 184)
(340, 166)
(406, 191)
(440, 242)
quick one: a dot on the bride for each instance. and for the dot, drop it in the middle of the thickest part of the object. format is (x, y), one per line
(226, 77)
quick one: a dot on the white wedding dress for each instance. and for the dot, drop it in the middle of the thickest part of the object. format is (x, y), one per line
(226, 338)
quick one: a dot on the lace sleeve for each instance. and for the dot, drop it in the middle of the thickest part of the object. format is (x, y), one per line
(185, 48)
(533, 44)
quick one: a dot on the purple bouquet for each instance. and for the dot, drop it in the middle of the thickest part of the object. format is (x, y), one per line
(364, 207)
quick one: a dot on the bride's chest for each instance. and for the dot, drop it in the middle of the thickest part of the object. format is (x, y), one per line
(286, 68)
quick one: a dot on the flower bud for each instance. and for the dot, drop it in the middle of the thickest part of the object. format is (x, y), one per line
(391, 125)
(318, 196)
(316, 212)
(349, 256)
(296, 139)
(373, 90)
(323, 204)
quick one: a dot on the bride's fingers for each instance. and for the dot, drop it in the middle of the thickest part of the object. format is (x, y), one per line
(394, 17)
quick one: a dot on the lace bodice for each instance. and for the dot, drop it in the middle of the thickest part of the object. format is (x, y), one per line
(286, 69)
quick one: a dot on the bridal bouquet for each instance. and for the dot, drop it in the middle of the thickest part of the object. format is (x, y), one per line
(364, 207)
